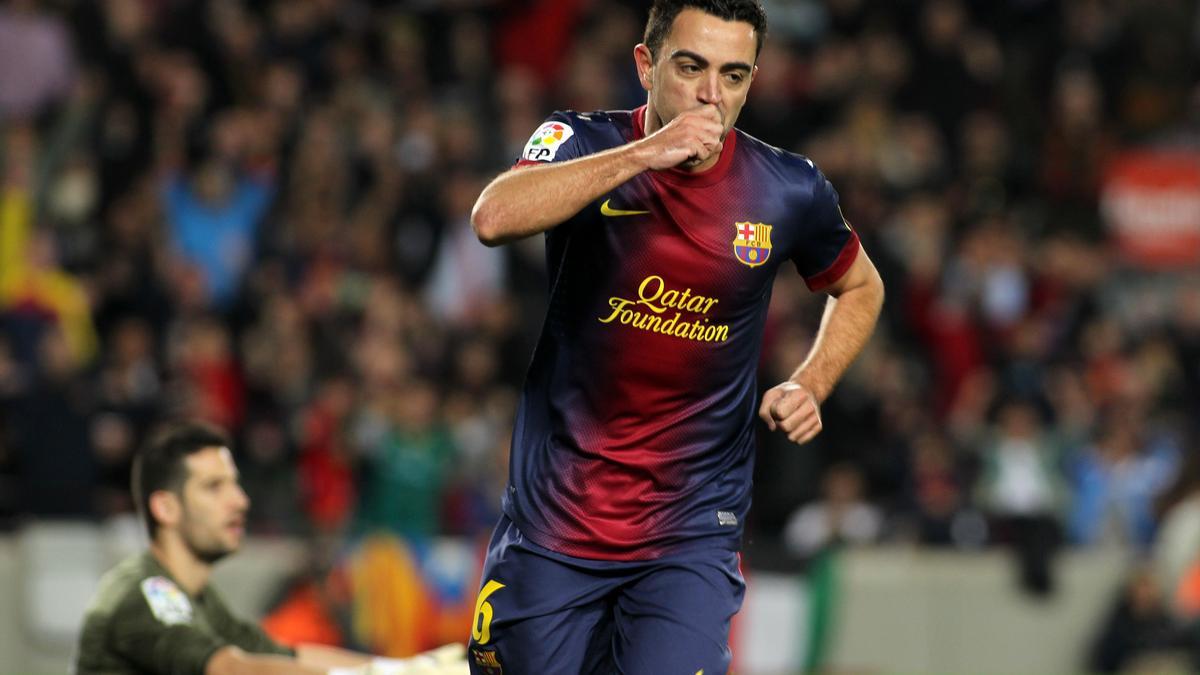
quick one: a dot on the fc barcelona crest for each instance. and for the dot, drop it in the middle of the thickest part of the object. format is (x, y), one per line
(752, 243)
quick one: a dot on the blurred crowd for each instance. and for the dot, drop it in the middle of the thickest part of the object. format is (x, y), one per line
(255, 212)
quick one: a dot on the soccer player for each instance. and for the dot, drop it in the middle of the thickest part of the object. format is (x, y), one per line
(156, 613)
(633, 445)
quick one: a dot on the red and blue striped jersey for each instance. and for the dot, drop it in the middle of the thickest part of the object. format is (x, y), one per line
(635, 432)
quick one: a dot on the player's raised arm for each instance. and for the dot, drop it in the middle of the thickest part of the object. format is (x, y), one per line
(507, 210)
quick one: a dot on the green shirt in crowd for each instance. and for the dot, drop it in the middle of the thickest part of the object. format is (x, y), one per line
(141, 621)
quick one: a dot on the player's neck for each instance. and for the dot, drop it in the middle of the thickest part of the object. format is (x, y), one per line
(650, 119)
(651, 123)
(185, 568)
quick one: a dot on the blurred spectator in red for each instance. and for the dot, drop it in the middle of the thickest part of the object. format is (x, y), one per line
(326, 467)
(210, 380)
(536, 36)
(314, 606)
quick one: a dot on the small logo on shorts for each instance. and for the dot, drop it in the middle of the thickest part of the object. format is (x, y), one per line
(487, 660)
(726, 518)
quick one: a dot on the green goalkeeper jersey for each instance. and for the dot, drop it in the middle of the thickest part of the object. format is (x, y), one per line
(141, 621)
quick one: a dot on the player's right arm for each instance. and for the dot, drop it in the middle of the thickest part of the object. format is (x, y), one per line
(324, 660)
(166, 642)
(230, 660)
(532, 199)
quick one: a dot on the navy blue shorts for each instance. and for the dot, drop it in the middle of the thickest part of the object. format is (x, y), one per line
(542, 613)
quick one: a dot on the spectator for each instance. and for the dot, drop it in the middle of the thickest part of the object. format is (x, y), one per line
(936, 494)
(840, 517)
(34, 290)
(404, 472)
(1023, 491)
(214, 216)
(1138, 628)
(1177, 547)
(35, 60)
(1116, 481)
(50, 429)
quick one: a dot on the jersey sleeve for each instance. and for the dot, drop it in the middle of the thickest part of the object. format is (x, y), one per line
(554, 141)
(828, 246)
(156, 646)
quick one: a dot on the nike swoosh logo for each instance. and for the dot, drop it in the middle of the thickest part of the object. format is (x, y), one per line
(606, 210)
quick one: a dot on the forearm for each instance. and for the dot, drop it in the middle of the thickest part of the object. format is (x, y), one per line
(325, 657)
(846, 325)
(234, 661)
(529, 200)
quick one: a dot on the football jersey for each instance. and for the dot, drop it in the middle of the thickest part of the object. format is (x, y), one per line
(141, 621)
(634, 437)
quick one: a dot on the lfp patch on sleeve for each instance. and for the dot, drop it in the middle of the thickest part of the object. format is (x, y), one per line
(169, 604)
(546, 141)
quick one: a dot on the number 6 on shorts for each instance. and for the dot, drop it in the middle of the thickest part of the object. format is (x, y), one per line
(481, 628)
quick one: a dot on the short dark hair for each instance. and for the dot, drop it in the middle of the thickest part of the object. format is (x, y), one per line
(160, 463)
(663, 13)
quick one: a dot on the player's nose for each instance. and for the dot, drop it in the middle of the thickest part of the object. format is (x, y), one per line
(710, 89)
(241, 500)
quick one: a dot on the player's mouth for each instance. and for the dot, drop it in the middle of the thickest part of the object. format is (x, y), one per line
(236, 526)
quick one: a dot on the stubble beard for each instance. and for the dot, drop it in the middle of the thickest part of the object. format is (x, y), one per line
(208, 553)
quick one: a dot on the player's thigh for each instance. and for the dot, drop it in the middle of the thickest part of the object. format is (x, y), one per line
(675, 620)
(572, 641)
(536, 614)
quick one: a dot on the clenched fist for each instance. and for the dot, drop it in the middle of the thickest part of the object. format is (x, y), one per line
(793, 409)
(689, 139)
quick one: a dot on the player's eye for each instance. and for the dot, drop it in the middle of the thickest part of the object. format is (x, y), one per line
(690, 68)
(735, 78)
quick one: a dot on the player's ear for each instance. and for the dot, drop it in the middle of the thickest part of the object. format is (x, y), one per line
(644, 61)
(165, 508)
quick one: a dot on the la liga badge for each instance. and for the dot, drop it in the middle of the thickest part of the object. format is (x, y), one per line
(752, 243)
(169, 604)
(545, 142)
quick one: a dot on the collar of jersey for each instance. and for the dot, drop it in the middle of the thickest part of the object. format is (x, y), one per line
(690, 178)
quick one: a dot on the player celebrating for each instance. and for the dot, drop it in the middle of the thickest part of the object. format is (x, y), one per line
(156, 613)
(633, 445)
